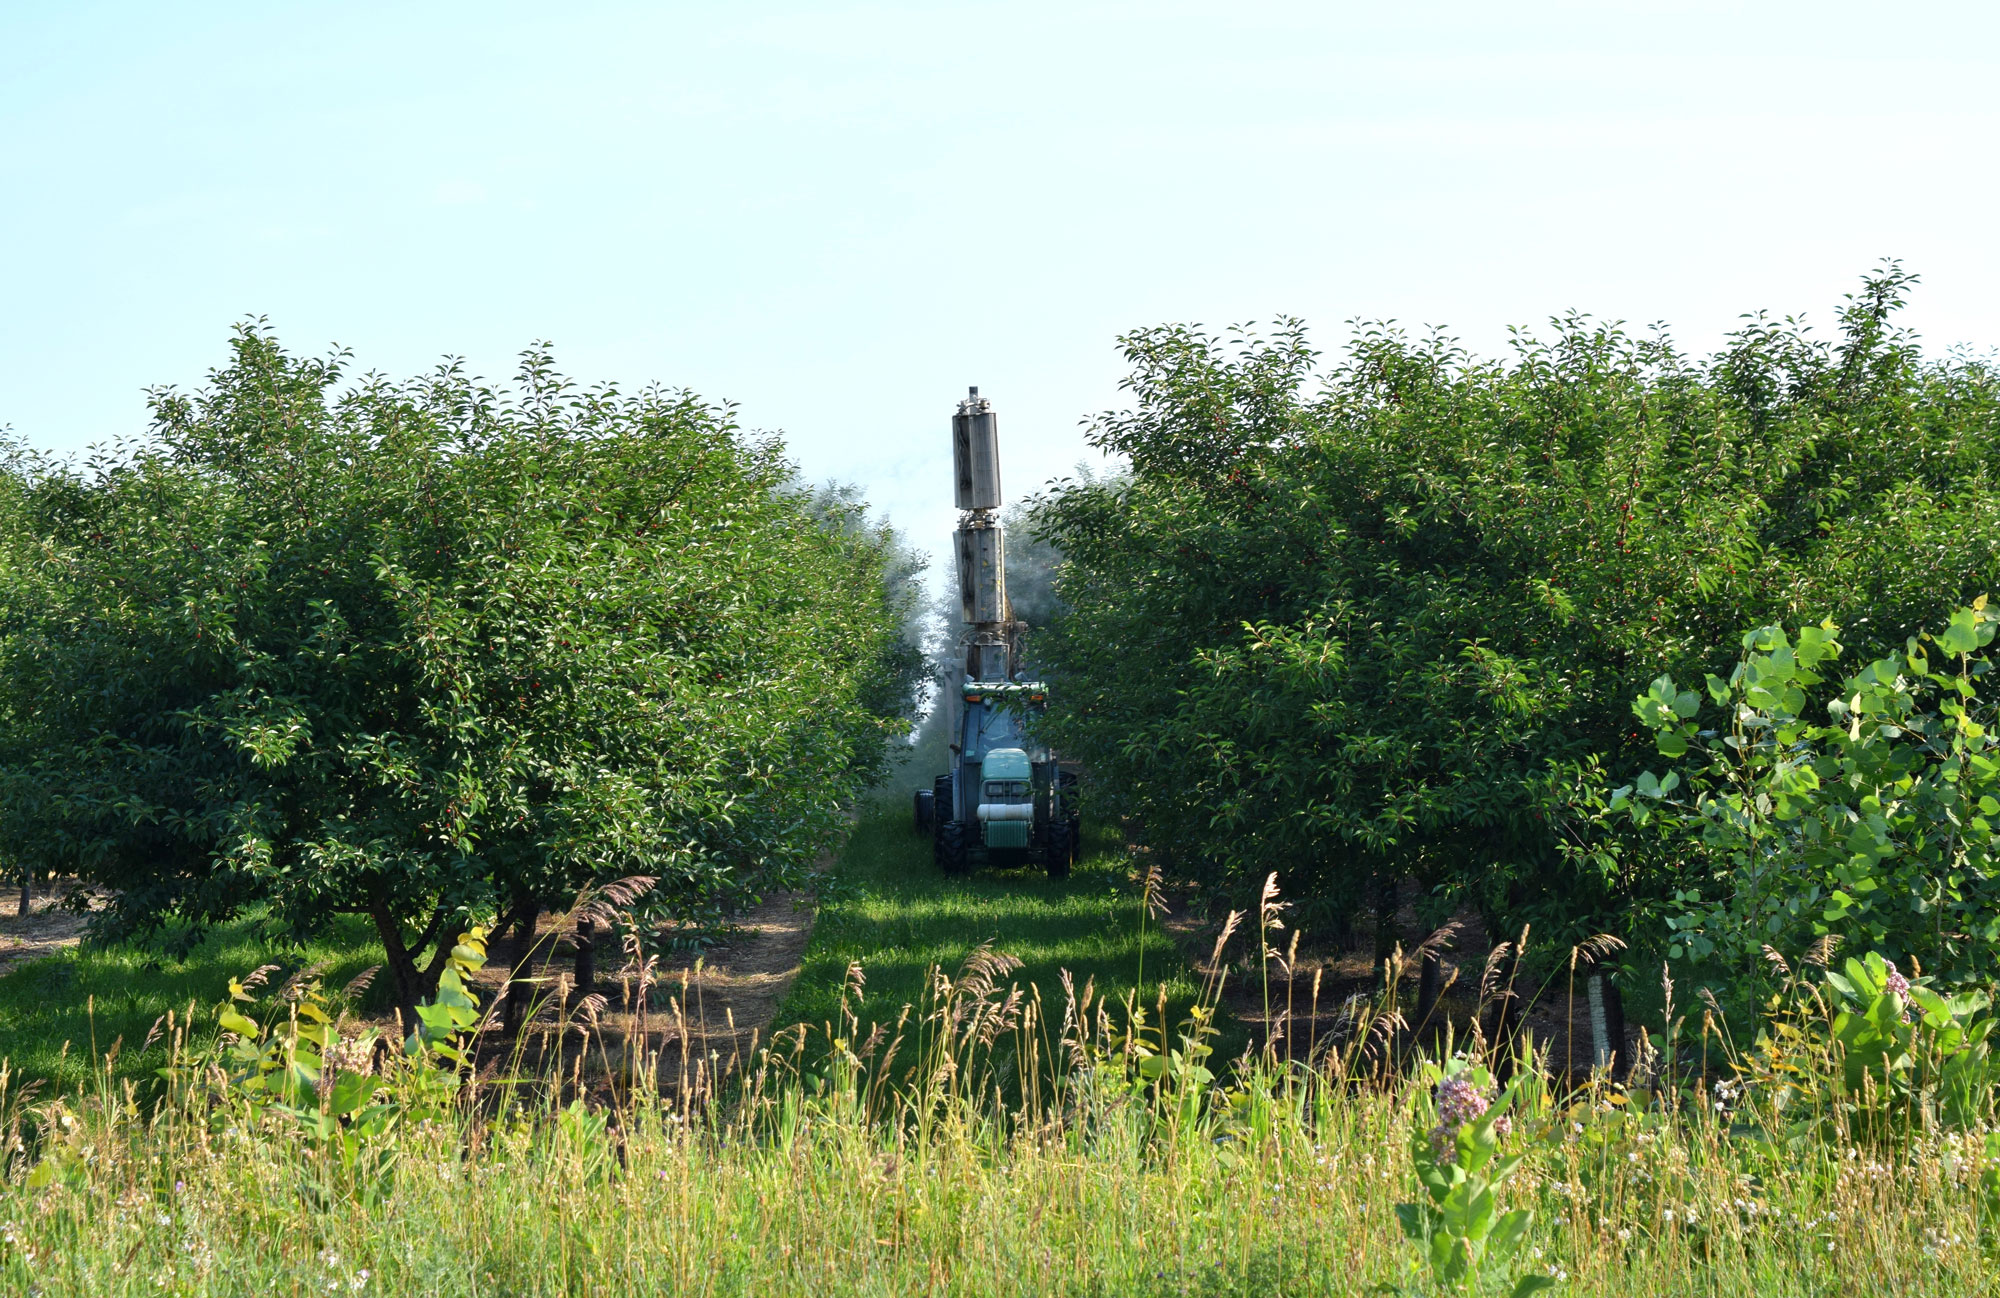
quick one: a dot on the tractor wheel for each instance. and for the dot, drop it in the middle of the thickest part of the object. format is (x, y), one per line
(1055, 848)
(1072, 822)
(948, 848)
(921, 810)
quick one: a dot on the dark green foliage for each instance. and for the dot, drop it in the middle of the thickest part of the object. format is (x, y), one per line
(425, 651)
(1386, 620)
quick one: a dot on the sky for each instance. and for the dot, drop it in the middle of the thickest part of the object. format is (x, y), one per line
(838, 216)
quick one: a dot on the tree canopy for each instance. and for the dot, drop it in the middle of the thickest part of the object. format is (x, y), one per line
(1385, 618)
(427, 650)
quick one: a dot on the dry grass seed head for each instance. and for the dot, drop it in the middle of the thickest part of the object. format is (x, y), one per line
(1152, 887)
(1439, 940)
(1596, 947)
(1268, 905)
(294, 986)
(1489, 980)
(1222, 938)
(259, 976)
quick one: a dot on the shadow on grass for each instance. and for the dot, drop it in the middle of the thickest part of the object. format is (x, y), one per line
(60, 1016)
(891, 909)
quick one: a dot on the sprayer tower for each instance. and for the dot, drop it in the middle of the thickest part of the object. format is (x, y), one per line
(1006, 799)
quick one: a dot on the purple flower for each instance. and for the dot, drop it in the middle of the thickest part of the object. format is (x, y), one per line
(1897, 984)
(1459, 1102)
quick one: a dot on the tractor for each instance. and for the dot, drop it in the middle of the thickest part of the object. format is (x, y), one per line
(1007, 800)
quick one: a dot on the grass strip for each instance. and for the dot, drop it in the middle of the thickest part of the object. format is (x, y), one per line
(62, 1014)
(893, 912)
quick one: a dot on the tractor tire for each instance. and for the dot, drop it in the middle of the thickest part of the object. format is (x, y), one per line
(948, 848)
(922, 809)
(1055, 847)
(1073, 823)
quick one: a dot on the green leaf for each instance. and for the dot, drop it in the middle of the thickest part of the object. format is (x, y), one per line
(1507, 1233)
(1962, 634)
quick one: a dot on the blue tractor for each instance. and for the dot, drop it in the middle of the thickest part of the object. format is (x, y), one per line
(1006, 800)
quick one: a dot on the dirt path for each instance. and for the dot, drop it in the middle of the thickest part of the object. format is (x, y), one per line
(702, 1017)
(1310, 997)
(46, 929)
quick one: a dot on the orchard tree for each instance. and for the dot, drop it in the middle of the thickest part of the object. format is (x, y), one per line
(430, 651)
(1383, 619)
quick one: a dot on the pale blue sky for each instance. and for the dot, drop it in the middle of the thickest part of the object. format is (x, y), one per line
(840, 215)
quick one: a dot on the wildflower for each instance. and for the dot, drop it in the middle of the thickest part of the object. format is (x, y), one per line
(1896, 985)
(1459, 1102)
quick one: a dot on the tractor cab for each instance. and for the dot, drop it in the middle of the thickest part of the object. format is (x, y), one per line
(1007, 801)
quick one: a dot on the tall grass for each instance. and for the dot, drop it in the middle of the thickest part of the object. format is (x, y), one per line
(891, 1163)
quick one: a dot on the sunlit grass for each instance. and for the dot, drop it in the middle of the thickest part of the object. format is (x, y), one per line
(61, 1015)
(891, 910)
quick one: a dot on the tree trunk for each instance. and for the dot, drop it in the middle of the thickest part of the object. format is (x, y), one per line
(27, 891)
(1614, 1028)
(520, 966)
(586, 956)
(1428, 986)
(1388, 895)
(413, 983)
